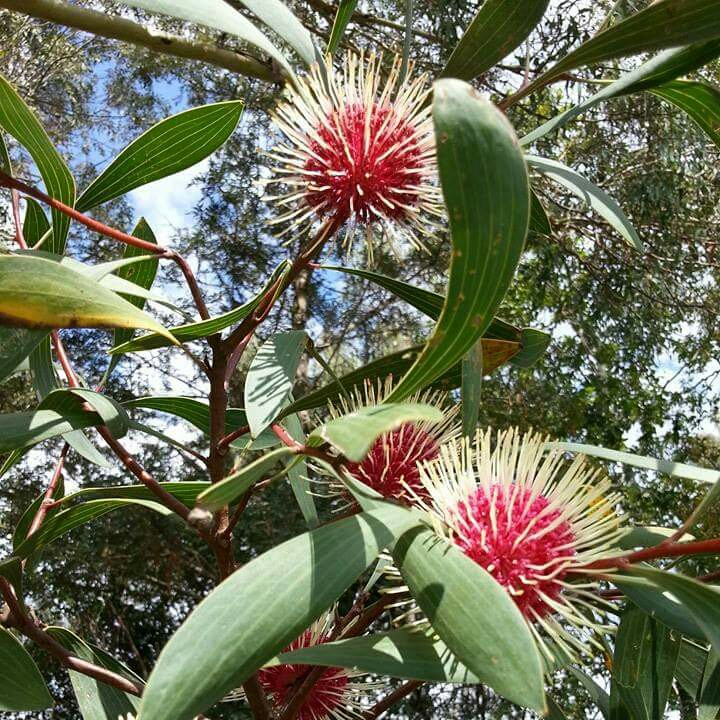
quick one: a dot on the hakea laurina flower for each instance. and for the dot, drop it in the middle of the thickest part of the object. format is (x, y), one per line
(530, 519)
(337, 694)
(358, 148)
(392, 466)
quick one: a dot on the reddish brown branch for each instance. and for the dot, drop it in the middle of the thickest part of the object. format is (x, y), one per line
(19, 237)
(663, 550)
(231, 437)
(47, 501)
(394, 697)
(19, 619)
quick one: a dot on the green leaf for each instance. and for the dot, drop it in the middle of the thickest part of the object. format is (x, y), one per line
(215, 14)
(642, 537)
(236, 485)
(174, 144)
(20, 121)
(277, 16)
(184, 491)
(663, 24)
(35, 223)
(298, 476)
(644, 663)
(487, 193)
(270, 378)
(474, 616)
(661, 69)
(202, 329)
(97, 700)
(67, 520)
(40, 293)
(709, 700)
(471, 388)
(495, 353)
(142, 275)
(45, 381)
(497, 29)
(700, 101)
(598, 694)
(353, 434)
(681, 470)
(22, 686)
(409, 653)
(702, 602)
(60, 412)
(16, 344)
(260, 609)
(598, 200)
(345, 10)
(658, 604)
(539, 221)
(533, 342)
(690, 667)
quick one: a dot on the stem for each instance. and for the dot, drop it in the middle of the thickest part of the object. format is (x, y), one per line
(665, 549)
(98, 227)
(47, 501)
(117, 28)
(231, 437)
(247, 327)
(19, 619)
(19, 237)
(256, 699)
(395, 696)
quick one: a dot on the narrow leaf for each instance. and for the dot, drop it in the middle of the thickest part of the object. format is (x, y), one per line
(270, 378)
(487, 194)
(234, 486)
(342, 18)
(97, 700)
(21, 686)
(409, 653)
(277, 15)
(20, 121)
(661, 69)
(663, 24)
(174, 144)
(39, 293)
(474, 616)
(700, 101)
(598, 200)
(353, 434)
(497, 29)
(471, 388)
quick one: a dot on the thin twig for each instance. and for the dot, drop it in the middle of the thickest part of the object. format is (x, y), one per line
(20, 620)
(47, 501)
(394, 697)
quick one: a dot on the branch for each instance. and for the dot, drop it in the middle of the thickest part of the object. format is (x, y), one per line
(663, 550)
(394, 697)
(47, 501)
(98, 227)
(117, 28)
(20, 620)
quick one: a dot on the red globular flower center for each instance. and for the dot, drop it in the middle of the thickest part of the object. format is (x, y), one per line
(391, 466)
(519, 541)
(326, 696)
(367, 163)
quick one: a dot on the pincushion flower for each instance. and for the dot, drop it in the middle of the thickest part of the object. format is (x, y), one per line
(392, 466)
(359, 149)
(337, 695)
(531, 520)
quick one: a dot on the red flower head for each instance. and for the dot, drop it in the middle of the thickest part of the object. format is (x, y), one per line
(517, 511)
(357, 149)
